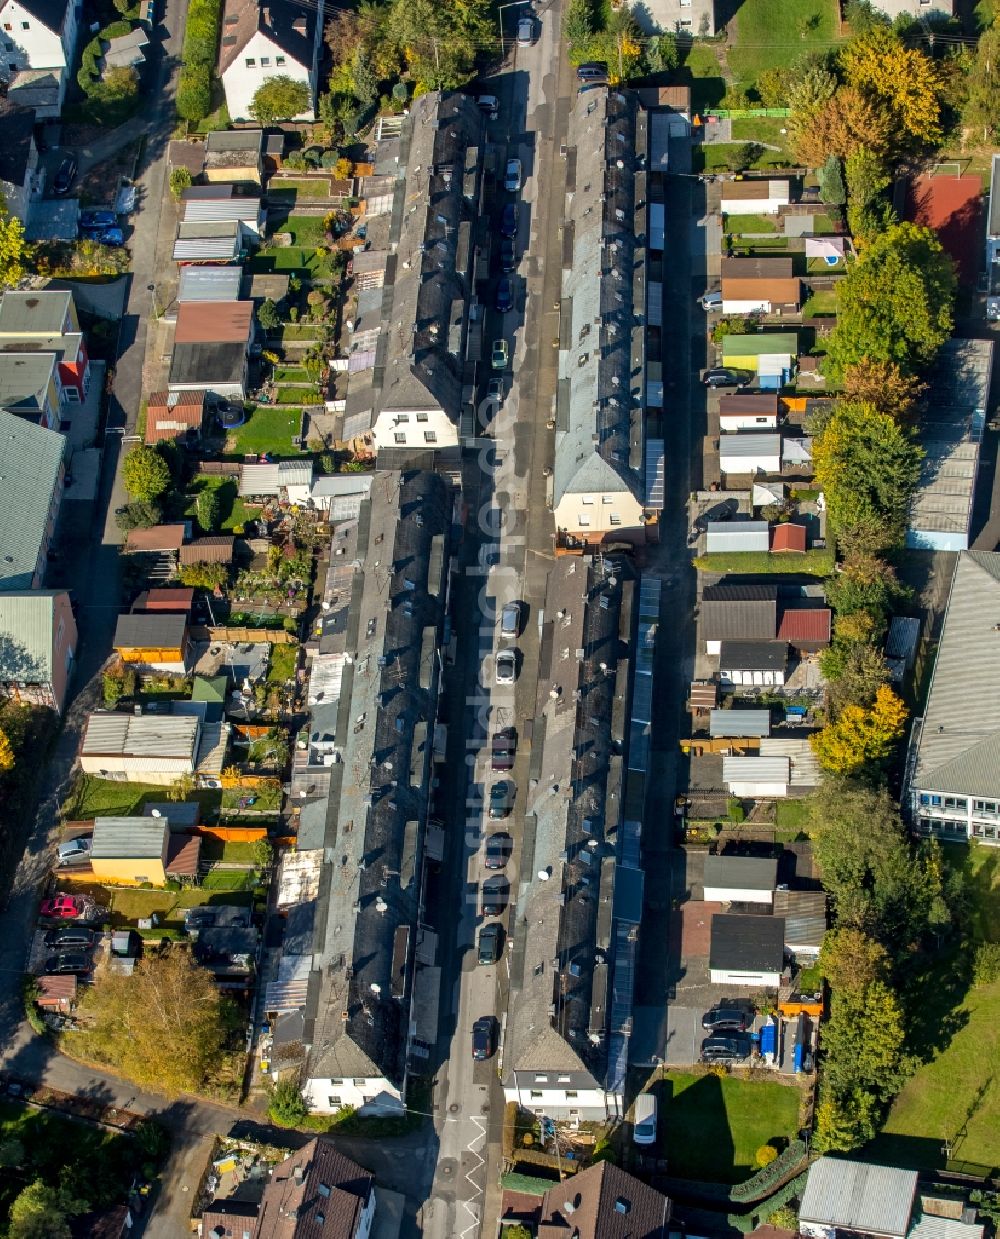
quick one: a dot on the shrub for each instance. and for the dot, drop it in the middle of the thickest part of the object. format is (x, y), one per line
(986, 968)
(329, 159)
(116, 30)
(180, 179)
(762, 1182)
(296, 161)
(194, 92)
(765, 1155)
(287, 1107)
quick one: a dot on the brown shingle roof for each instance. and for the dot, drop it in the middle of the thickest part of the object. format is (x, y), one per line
(208, 551)
(759, 404)
(213, 322)
(183, 854)
(605, 1203)
(180, 600)
(788, 537)
(757, 268)
(157, 538)
(811, 626)
(778, 292)
(324, 1203)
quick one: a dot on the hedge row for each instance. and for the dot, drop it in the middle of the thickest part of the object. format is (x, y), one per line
(746, 1223)
(774, 1172)
(201, 42)
(88, 77)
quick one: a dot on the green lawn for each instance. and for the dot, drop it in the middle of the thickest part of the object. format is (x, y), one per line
(282, 665)
(231, 852)
(265, 800)
(740, 225)
(289, 374)
(702, 72)
(93, 797)
(811, 563)
(170, 906)
(319, 188)
(267, 429)
(816, 266)
(307, 230)
(820, 303)
(299, 331)
(791, 814)
(297, 395)
(766, 129)
(770, 35)
(234, 511)
(304, 261)
(712, 1127)
(722, 157)
(228, 880)
(955, 1096)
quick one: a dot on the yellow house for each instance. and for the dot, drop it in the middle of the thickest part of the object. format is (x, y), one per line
(130, 850)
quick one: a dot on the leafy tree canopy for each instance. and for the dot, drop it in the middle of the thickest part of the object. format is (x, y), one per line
(901, 81)
(145, 473)
(860, 738)
(279, 98)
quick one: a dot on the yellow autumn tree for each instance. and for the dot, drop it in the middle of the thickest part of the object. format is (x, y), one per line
(13, 250)
(6, 754)
(839, 126)
(901, 81)
(861, 737)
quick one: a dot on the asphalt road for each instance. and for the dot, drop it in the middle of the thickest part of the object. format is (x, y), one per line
(506, 554)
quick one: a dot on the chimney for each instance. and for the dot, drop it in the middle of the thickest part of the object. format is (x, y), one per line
(298, 1174)
(299, 25)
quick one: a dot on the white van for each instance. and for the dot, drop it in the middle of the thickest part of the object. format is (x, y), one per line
(644, 1119)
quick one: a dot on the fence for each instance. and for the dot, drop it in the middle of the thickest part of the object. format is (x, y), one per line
(746, 113)
(272, 636)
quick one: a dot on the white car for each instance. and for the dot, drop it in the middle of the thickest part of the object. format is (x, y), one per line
(525, 32)
(506, 667)
(512, 177)
(74, 850)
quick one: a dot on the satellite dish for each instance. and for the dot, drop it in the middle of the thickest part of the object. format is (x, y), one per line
(156, 813)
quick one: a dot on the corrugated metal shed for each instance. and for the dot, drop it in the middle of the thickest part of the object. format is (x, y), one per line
(128, 838)
(932, 1227)
(212, 749)
(855, 1196)
(269, 479)
(739, 723)
(220, 210)
(148, 735)
(805, 767)
(756, 770)
(210, 284)
(742, 446)
(810, 625)
(805, 917)
(737, 536)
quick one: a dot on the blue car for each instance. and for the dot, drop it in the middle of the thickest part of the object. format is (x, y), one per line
(103, 236)
(93, 218)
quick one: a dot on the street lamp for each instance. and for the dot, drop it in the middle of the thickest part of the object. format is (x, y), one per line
(511, 4)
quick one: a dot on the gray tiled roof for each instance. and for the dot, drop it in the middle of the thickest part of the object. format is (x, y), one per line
(30, 462)
(958, 739)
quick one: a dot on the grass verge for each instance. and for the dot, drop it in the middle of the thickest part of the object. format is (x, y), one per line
(811, 563)
(267, 429)
(770, 36)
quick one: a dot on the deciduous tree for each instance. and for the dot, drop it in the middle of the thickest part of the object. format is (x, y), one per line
(13, 250)
(981, 113)
(209, 510)
(854, 668)
(895, 303)
(883, 386)
(867, 467)
(860, 738)
(42, 1212)
(838, 126)
(180, 179)
(162, 1026)
(145, 473)
(851, 961)
(268, 316)
(6, 753)
(900, 80)
(279, 98)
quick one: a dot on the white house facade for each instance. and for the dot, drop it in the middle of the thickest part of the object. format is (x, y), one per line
(263, 41)
(38, 34)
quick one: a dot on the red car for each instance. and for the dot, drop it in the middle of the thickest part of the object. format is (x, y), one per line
(62, 908)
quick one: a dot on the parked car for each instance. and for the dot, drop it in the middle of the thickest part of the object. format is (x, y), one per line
(495, 893)
(484, 1038)
(62, 908)
(65, 176)
(525, 32)
(510, 621)
(494, 390)
(730, 1049)
(508, 255)
(104, 236)
(592, 71)
(509, 220)
(92, 218)
(199, 918)
(712, 300)
(500, 357)
(504, 749)
(512, 176)
(74, 850)
(70, 936)
(489, 104)
(490, 942)
(505, 293)
(644, 1120)
(499, 847)
(723, 376)
(506, 667)
(725, 1019)
(502, 796)
(68, 964)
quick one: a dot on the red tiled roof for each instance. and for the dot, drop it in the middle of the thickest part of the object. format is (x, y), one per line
(213, 322)
(157, 538)
(183, 854)
(788, 537)
(805, 625)
(179, 600)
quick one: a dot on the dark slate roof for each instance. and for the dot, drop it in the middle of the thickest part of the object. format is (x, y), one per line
(208, 363)
(150, 629)
(750, 943)
(15, 150)
(605, 1203)
(224, 942)
(741, 872)
(753, 655)
(748, 612)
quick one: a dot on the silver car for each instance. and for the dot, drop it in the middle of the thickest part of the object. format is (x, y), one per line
(512, 176)
(506, 672)
(74, 850)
